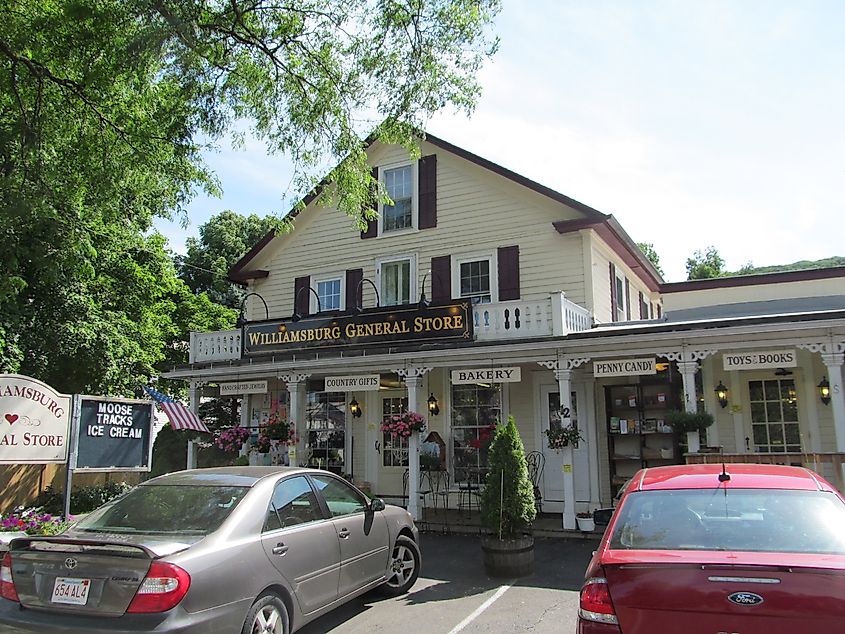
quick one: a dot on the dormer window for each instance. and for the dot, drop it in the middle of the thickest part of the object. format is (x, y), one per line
(399, 183)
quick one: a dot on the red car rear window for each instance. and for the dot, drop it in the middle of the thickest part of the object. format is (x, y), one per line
(759, 520)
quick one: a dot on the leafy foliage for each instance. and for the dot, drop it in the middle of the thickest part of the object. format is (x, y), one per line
(223, 240)
(648, 250)
(103, 109)
(705, 264)
(507, 502)
(682, 421)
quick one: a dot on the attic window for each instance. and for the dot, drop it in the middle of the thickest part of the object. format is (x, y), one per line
(399, 183)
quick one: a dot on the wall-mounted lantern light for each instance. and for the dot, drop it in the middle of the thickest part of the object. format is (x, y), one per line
(242, 320)
(433, 406)
(296, 316)
(824, 390)
(722, 394)
(355, 408)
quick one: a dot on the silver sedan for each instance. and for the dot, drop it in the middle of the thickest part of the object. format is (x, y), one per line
(237, 549)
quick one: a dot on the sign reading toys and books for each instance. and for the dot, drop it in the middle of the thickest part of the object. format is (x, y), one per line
(379, 326)
(760, 359)
(34, 421)
(114, 434)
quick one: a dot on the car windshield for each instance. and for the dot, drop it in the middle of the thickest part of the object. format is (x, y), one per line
(154, 509)
(760, 520)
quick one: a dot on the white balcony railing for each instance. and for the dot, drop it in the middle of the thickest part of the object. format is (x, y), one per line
(554, 316)
(222, 345)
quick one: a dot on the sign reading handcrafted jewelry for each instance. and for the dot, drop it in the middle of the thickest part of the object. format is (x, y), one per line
(760, 360)
(34, 421)
(243, 387)
(624, 367)
(114, 434)
(378, 326)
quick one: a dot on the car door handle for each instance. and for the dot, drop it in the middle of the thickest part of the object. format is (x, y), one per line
(279, 549)
(343, 533)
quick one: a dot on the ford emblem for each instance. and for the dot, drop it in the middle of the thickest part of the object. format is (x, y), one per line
(70, 563)
(745, 598)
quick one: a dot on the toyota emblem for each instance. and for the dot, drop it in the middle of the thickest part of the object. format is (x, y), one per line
(70, 563)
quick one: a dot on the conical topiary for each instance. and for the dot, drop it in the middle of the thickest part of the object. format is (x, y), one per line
(507, 502)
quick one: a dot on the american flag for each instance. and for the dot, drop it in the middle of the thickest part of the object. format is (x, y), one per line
(180, 416)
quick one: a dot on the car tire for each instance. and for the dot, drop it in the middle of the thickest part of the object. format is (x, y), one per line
(404, 567)
(268, 615)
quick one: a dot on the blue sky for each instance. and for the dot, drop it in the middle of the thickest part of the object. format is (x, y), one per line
(693, 123)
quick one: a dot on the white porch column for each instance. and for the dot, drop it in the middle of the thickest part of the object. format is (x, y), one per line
(564, 383)
(833, 363)
(296, 388)
(688, 370)
(413, 381)
(194, 404)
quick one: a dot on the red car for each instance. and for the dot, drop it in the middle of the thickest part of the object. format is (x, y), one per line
(720, 549)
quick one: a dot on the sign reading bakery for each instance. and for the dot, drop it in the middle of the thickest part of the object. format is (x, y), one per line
(486, 375)
(34, 421)
(760, 359)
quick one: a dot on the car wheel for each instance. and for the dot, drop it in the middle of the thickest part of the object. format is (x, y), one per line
(267, 615)
(404, 567)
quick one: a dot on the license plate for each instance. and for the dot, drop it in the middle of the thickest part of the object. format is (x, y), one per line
(73, 591)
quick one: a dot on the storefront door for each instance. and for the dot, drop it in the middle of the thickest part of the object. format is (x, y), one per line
(552, 484)
(394, 451)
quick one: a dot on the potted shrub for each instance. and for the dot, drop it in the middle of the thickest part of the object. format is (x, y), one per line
(585, 521)
(507, 506)
(690, 423)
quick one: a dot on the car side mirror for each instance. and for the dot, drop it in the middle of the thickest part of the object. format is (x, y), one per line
(377, 504)
(602, 516)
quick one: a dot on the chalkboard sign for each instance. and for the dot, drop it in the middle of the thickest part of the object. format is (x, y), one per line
(114, 434)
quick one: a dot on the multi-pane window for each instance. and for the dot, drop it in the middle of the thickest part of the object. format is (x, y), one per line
(475, 281)
(476, 409)
(399, 183)
(620, 299)
(394, 450)
(325, 429)
(396, 282)
(774, 415)
(329, 293)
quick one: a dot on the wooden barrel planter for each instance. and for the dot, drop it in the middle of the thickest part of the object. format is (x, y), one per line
(508, 557)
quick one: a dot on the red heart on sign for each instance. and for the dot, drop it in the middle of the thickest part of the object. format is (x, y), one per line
(11, 418)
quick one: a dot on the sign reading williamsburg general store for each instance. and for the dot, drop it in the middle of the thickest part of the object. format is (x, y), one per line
(34, 421)
(624, 367)
(378, 326)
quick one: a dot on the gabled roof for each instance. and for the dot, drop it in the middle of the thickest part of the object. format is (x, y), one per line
(240, 273)
(617, 239)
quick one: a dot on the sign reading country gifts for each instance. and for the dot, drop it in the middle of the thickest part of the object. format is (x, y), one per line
(379, 326)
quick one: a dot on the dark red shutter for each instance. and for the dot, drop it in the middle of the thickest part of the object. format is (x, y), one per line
(612, 292)
(353, 288)
(302, 295)
(428, 192)
(508, 273)
(372, 225)
(627, 300)
(441, 278)
(643, 314)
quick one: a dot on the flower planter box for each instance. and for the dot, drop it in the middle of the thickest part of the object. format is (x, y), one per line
(508, 557)
(586, 524)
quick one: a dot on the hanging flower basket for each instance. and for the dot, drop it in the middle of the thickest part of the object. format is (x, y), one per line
(232, 438)
(403, 425)
(563, 436)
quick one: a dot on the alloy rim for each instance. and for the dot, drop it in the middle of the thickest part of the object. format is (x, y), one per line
(402, 566)
(267, 621)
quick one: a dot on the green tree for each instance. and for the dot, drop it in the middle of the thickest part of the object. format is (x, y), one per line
(705, 264)
(507, 501)
(648, 250)
(223, 240)
(104, 110)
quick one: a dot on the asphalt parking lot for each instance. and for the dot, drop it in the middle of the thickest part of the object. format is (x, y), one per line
(453, 594)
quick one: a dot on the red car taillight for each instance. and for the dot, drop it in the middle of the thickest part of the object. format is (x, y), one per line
(7, 584)
(596, 604)
(164, 586)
